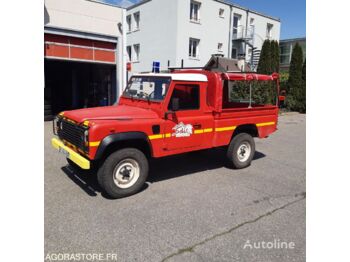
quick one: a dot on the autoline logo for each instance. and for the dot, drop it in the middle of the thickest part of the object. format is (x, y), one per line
(274, 244)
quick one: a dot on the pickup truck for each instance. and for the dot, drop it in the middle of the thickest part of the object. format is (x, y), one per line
(163, 114)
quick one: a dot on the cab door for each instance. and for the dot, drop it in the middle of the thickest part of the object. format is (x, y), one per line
(187, 127)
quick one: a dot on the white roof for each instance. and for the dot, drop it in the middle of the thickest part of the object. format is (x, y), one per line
(179, 76)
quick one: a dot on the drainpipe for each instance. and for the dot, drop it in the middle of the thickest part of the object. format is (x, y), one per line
(230, 35)
(121, 57)
(246, 31)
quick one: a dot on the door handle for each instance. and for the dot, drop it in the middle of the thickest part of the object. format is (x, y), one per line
(197, 126)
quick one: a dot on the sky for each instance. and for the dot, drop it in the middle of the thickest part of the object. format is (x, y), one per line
(291, 12)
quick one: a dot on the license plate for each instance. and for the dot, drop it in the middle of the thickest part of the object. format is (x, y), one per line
(63, 151)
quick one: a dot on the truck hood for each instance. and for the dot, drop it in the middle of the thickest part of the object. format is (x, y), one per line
(119, 112)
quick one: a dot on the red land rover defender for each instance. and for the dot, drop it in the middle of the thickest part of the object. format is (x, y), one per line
(165, 114)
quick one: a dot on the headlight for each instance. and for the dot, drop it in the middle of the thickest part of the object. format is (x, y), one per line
(86, 137)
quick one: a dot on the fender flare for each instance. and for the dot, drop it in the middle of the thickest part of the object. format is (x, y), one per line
(118, 137)
(251, 129)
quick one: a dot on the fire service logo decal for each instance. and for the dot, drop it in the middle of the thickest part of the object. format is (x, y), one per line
(182, 130)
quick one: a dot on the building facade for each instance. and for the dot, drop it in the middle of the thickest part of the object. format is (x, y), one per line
(286, 48)
(188, 32)
(85, 62)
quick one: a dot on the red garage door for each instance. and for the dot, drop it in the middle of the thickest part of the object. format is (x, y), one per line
(79, 49)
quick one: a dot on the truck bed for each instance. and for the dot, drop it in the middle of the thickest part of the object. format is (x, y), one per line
(263, 117)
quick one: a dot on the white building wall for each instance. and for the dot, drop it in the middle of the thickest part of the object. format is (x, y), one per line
(260, 28)
(165, 30)
(83, 16)
(156, 35)
(211, 30)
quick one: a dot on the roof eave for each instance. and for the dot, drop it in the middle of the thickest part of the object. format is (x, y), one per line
(248, 10)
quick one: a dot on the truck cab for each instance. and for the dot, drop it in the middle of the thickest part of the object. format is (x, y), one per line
(165, 114)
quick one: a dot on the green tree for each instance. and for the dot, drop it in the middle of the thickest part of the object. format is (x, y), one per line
(275, 54)
(303, 89)
(295, 83)
(269, 61)
(303, 73)
(265, 64)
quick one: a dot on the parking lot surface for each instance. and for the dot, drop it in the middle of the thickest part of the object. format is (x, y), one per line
(193, 207)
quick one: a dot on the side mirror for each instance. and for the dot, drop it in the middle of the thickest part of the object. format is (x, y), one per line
(175, 104)
(173, 107)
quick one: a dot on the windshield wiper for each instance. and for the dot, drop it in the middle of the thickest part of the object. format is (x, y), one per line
(146, 95)
(132, 94)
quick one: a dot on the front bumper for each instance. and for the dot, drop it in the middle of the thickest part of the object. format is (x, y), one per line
(72, 155)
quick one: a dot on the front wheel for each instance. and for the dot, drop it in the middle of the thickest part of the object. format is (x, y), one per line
(241, 150)
(123, 173)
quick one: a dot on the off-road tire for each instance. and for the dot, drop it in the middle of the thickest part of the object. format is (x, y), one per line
(105, 173)
(236, 143)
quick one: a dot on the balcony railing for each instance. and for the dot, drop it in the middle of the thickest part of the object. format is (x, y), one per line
(243, 33)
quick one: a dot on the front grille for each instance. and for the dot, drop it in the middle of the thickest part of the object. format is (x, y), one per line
(72, 133)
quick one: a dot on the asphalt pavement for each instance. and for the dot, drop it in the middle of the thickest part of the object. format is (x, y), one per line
(192, 208)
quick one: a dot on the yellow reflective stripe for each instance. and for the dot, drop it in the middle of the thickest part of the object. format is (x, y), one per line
(97, 143)
(266, 124)
(228, 128)
(199, 131)
(208, 130)
(155, 137)
(152, 137)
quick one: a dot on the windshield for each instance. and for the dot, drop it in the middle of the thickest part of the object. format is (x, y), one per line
(147, 87)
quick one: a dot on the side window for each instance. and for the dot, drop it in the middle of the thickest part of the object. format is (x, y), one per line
(128, 50)
(137, 20)
(128, 21)
(238, 92)
(187, 95)
(242, 94)
(269, 31)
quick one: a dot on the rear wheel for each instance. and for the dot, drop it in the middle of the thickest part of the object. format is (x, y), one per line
(123, 173)
(241, 150)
